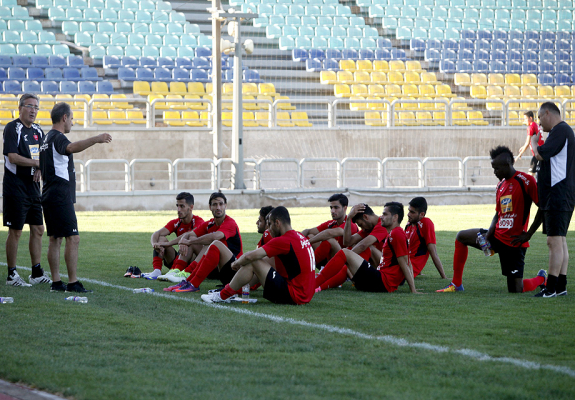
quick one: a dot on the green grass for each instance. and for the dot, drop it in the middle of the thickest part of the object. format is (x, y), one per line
(135, 346)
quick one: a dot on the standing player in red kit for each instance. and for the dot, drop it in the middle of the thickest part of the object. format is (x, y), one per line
(515, 193)
(420, 233)
(292, 279)
(532, 130)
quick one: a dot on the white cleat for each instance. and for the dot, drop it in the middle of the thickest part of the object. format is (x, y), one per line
(16, 280)
(214, 298)
(39, 280)
(178, 277)
(170, 272)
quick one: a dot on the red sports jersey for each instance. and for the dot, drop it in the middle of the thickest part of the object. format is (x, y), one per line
(419, 235)
(513, 203)
(176, 225)
(232, 238)
(395, 246)
(266, 237)
(333, 224)
(379, 232)
(294, 261)
(533, 130)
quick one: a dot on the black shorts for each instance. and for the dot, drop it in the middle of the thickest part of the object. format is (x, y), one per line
(368, 279)
(556, 223)
(534, 165)
(60, 220)
(511, 259)
(276, 289)
(171, 263)
(226, 273)
(18, 211)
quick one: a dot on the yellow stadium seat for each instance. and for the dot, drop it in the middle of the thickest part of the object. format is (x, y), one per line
(118, 117)
(376, 90)
(328, 77)
(563, 92)
(396, 77)
(378, 77)
(358, 106)
(228, 104)
(142, 88)
(425, 118)
(251, 89)
(515, 119)
(5, 116)
(393, 90)
(79, 117)
(364, 65)
(412, 77)
(284, 106)
(300, 118)
(197, 88)
(405, 118)
(46, 102)
(160, 88)
(9, 104)
(529, 79)
(495, 79)
(263, 117)
(476, 118)
(283, 119)
(513, 79)
(79, 105)
(122, 105)
(160, 105)
(461, 106)
(396, 65)
(345, 77)
(413, 65)
(362, 77)
(194, 105)
(180, 88)
(175, 105)
(459, 118)
(546, 92)
(204, 117)
(209, 88)
(227, 118)
(173, 118)
(248, 119)
(192, 118)
(494, 92)
(429, 78)
(100, 104)
(342, 90)
(573, 91)
(529, 92)
(264, 105)
(347, 65)
(439, 117)
(136, 117)
(248, 105)
(43, 118)
(101, 118)
(462, 79)
(227, 88)
(427, 90)
(67, 98)
(410, 91)
(444, 91)
(512, 92)
(426, 106)
(391, 99)
(381, 65)
(376, 106)
(359, 90)
(479, 79)
(478, 92)
(373, 118)
(494, 106)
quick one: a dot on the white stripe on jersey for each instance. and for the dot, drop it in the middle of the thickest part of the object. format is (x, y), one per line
(60, 164)
(559, 165)
(9, 166)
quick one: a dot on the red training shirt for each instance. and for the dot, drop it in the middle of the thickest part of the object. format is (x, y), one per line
(395, 246)
(266, 237)
(333, 224)
(419, 235)
(533, 130)
(232, 238)
(178, 226)
(378, 231)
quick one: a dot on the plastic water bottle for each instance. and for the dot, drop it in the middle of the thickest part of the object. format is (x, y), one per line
(246, 294)
(143, 290)
(485, 245)
(4, 300)
(77, 299)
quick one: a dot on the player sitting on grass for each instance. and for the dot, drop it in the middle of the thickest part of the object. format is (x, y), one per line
(420, 233)
(261, 224)
(164, 252)
(327, 238)
(514, 195)
(394, 267)
(370, 237)
(222, 244)
(292, 279)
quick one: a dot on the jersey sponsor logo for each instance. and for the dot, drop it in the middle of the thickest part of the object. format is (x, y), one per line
(506, 223)
(524, 179)
(34, 151)
(35, 137)
(506, 204)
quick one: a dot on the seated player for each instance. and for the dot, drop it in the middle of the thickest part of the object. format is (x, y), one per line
(221, 244)
(394, 267)
(370, 238)
(420, 233)
(515, 193)
(164, 252)
(261, 224)
(292, 279)
(327, 238)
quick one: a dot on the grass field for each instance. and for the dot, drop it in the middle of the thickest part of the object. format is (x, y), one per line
(345, 344)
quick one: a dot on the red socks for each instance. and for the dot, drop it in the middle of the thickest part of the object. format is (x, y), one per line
(322, 251)
(179, 264)
(228, 292)
(337, 280)
(531, 284)
(333, 267)
(157, 262)
(459, 259)
(190, 268)
(209, 261)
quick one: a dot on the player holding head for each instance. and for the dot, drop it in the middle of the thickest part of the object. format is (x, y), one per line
(164, 252)
(292, 279)
(514, 195)
(532, 130)
(21, 197)
(420, 233)
(327, 238)
(394, 266)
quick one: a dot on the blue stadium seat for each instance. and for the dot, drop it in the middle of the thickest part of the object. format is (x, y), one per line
(349, 54)
(480, 66)
(203, 52)
(432, 55)
(498, 45)
(466, 44)
(417, 45)
(90, 74)
(149, 62)
(563, 79)
(515, 44)
(546, 67)
(547, 35)
(71, 74)
(57, 61)
(515, 34)
(498, 55)
(49, 87)
(201, 63)
(35, 74)
(199, 75)
(16, 73)
(5, 61)
(184, 62)
(514, 55)
(563, 67)
(530, 67)
(129, 61)
(39, 61)
(162, 74)
(484, 55)
(75, 61)
(104, 87)
(382, 54)
(3, 75)
(514, 67)
(180, 74)
(398, 54)
(300, 55)
(564, 35)
(497, 66)
(253, 76)
(86, 87)
(144, 74)
(531, 35)
(53, 74)
(166, 62)
(317, 54)
(531, 44)
(126, 74)
(546, 44)
(68, 87)
(464, 66)
(465, 55)
(447, 67)
(111, 62)
(450, 44)
(334, 54)
(545, 79)
(313, 65)
(366, 54)
(448, 54)
(11, 86)
(330, 64)
(530, 55)
(468, 34)
(31, 87)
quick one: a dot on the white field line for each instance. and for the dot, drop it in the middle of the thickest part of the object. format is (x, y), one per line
(392, 340)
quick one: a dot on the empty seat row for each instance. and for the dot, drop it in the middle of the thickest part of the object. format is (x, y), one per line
(476, 4)
(299, 54)
(468, 13)
(51, 74)
(380, 65)
(108, 16)
(145, 88)
(511, 55)
(28, 37)
(521, 93)
(132, 5)
(98, 52)
(202, 62)
(275, 32)
(181, 74)
(495, 79)
(137, 39)
(14, 12)
(525, 79)
(394, 77)
(7, 61)
(266, 10)
(157, 28)
(263, 22)
(17, 25)
(289, 43)
(286, 2)
(51, 87)
(38, 49)
(393, 90)
(527, 67)
(501, 44)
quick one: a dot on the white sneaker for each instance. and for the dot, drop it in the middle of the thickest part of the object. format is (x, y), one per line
(170, 272)
(152, 275)
(16, 280)
(38, 280)
(178, 276)
(214, 298)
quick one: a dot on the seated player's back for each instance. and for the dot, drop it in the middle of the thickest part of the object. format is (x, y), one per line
(419, 235)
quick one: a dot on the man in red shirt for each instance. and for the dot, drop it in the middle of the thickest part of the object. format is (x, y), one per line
(420, 233)
(164, 252)
(394, 267)
(261, 224)
(532, 130)
(292, 279)
(221, 244)
(327, 238)
(515, 193)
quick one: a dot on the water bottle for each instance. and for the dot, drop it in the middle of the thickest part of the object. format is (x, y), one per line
(143, 290)
(485, 245)
(77, 299)
(246, 293)
(4, 300)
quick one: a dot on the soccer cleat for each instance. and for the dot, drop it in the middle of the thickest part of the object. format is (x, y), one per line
(58, 287)
(152, 276)
(543, 273)
(214, 298)
(178, 276)
(318, 289)
(214, 290)
(129, 272)
(39, 279)
(16, 280)
(170, 272)
(545, 293)
(76, 287)
(136, 273)
(187, 287)
(563, 293)
(451, 288)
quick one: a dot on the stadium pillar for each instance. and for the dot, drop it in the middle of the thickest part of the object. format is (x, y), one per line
(216, 81)
(237, 121)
